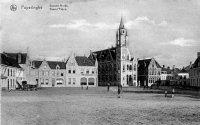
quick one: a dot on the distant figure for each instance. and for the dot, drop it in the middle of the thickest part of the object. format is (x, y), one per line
(119, 90)
(108, 87)
(87, 87)
(173, 92)
(165, 93)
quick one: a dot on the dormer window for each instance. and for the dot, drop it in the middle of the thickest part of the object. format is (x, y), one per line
(57, 67)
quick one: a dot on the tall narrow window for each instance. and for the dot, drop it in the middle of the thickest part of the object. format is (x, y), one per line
(135, 67)
(74, 81)
(87, 71)
(47, 81)
(69, 81)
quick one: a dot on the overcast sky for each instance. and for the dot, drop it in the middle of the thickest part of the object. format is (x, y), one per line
(168, 30)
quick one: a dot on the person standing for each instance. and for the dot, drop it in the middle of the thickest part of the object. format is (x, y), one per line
(119, 90)
(165, 93)
(173, 92)
(81, 85)
(108, 87)
(87, 87)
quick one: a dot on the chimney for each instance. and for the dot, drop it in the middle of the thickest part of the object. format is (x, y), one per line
(198, 54)
(163, 66)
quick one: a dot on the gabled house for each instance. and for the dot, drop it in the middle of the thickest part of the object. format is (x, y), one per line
(149, 72)
(81, 71)
(48, 73)
(183, 78)
(167, 76)
(10, 69)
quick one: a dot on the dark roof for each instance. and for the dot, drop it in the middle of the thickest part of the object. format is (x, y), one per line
(37, 63)
(187, 68)
(15, 56)
(84, 61)
(183, 71)
(53, 64)
(6, 60)
(168, 70)
(196, 63)
(105, 55)
(143, 64)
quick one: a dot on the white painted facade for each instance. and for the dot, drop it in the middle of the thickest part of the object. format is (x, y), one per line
(9, 76)
(77, 75)
(154, 72)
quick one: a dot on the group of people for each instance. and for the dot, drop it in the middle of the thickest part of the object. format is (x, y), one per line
(173, 93)
(119, 89)
(82, 86)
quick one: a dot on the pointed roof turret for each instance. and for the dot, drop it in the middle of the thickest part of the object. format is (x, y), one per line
(121, 23)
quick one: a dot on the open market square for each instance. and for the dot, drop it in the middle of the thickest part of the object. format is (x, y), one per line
(96, 106)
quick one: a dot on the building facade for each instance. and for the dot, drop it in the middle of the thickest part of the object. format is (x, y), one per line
(81, 71)
(194, 73)
(115, 65)
(183, 78)
(149, 72)
(48, 73)
(167, 76)
(10, 69)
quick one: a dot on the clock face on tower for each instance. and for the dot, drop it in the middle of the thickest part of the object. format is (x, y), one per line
(123, 36)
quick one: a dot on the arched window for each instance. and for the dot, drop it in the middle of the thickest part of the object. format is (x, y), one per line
(135, 67)
(57, 67)
(59, 81)
(134, 77)
(83, 81)
(123, 68)
(91, 81)
(130, 67)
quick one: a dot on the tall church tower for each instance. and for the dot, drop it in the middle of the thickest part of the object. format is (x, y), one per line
(121, 40)
(123, 57)
(121, 35)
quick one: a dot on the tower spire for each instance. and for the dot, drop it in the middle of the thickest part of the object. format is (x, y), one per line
(121, 23)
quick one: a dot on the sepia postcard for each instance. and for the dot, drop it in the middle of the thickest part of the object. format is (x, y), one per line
(100, 62)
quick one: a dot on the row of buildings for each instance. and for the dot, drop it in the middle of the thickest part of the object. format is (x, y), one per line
(115, 65)
(76, 71)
